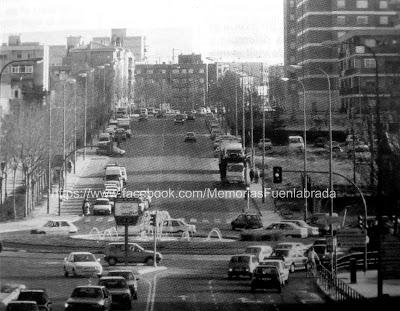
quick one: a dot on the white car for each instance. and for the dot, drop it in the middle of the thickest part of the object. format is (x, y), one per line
(312, 231)
(113, 184)
(286, 229)
(82, 264)
(294, 259)
(177, 226)
(111, 191)
(280, 264)
(56, 227)
(260, 251)
(267, 142)
(124, 175)
(104, 139)
(296, 144)
(102, 206)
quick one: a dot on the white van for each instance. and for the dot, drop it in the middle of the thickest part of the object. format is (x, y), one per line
(235, 173)
(296, 144)
(114, 173)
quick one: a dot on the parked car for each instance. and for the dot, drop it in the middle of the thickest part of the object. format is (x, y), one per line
(104, 140)
(267, 142)
(102, 206)
(266, 277)
(38, 295)
(242, 265)
(111, 152)
(287, 229)
(294, 259)
(320, 142)
(296, 144)
(130, 279)
(177, 226)
(120, 133)
(190, 136)
(22, 306)
(179, 119)
(82, 264)
(190, 116)
(118, 288)
(321, 220)
(247, 221)
(280, 265)
(261, 251)
(336, 147)
(115, 253)
(89, 297)
(311, 231)
(110, 131)
(56, 227)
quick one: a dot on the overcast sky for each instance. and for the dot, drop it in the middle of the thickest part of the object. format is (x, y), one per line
(221, 29)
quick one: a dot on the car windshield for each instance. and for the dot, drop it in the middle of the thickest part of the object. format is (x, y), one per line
(251, 250)
(86, 292)
(294, 140)
(190, 134)
(102, 202)
(281, 253)
(112, 177)
(285, 246)
(320, 249)
(266, 270)
(104, 138)
(240, 259)
(33, 296)
(273, 263)
(113, 283)
(84, 258)
(235, 168)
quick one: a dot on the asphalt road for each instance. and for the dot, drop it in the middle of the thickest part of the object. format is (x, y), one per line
(189, 283)
(158, 159)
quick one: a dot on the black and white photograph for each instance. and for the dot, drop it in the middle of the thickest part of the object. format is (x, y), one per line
(199, 155)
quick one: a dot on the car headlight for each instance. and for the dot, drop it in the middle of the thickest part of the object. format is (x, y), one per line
(230, 269)
(66, 305)
(126, 296)
(247, 269)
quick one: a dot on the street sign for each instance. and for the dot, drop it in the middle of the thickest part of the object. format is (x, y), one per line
(350, 238)
(127, 211)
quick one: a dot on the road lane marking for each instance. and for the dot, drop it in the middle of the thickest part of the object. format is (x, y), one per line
(206, 221)
(193, 220)
(153, 295)
(87, 220)
(99, 219)
(217, 221)
(110, 219)
(149, 294)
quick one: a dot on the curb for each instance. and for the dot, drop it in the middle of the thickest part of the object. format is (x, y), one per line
(5, 298)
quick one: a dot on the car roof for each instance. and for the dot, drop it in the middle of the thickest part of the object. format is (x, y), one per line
(33, 290)
(267, 266)
(254, 246)
(112, 278)
(89, 286)
(81, 253)
(22, 302)
(122, 270)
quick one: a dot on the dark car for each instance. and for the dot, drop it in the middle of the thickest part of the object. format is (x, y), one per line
(130, 279)
(22, 306)
(190, 117)
(118, 288)
(190, 137)
(266, 277)
(89, 297)
(160, 115)
(120, 133)
(320, 142)
(247, 221)
(143, 117)
(179, 119)
(38, 295)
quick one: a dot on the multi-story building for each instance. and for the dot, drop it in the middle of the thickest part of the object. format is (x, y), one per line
(27, 77)
(319, 21)
(183, 85)
(358, 73)
(135, 43)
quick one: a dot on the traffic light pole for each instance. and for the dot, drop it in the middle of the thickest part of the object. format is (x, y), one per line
(155, 240)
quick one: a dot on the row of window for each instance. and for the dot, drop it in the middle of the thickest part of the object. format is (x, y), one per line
(22, 69)
(174, 71)
(360, 4)
(362, 20)
(357, 63)
(190, 80)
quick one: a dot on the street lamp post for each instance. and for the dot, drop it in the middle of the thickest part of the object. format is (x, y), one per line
(236, 109)
(305, 145)
(85, 75)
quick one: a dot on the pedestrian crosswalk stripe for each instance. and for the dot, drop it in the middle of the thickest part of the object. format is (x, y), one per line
(205, 221)
(87, 220)
(217, 221)
(193, 220)
(99, 219)
(228, 221)
(110, 219)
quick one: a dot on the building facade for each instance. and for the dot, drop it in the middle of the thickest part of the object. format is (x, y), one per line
(314, 24)
(25, 73)
(364, 58)
(182, 85)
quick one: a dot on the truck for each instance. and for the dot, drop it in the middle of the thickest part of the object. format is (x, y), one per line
(125, 123)
(110, 149)
(233, 164)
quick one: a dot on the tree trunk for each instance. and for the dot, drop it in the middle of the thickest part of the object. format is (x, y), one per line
(14, 210)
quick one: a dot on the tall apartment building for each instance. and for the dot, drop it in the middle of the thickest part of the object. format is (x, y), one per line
(318, 21)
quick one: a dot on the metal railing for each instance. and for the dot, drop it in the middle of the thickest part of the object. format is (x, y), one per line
(344, 262)
(337, 289)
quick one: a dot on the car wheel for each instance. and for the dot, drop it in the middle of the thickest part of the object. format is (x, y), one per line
(292, 268)
(280, 289)
(135, 296)
(74, 273)
(289, 236)
(66, 274)
(149, 261)
(112, 261)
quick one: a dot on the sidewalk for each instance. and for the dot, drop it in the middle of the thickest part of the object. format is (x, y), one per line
(367, 284)
(39, 214)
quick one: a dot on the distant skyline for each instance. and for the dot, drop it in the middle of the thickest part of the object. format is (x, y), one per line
(226, 30)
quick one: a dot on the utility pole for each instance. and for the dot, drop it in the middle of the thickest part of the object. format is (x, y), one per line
(243, 112)
(236, 109)
(251, 129)
(49, 161)
(263, 133)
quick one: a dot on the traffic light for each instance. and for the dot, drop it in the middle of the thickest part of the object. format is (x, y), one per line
(361, 222)
(394, 219)
(277, 174)
(153, 220)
